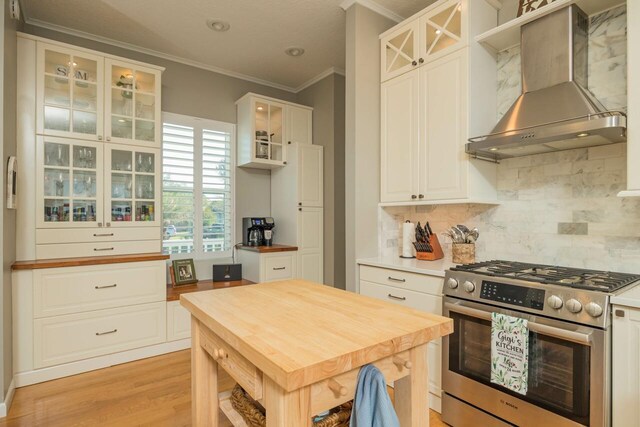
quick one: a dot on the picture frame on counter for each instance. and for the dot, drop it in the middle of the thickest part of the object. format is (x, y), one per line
(184, 272)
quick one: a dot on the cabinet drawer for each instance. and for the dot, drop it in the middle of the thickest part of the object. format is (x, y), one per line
(178, 321)
(83, 235)
(72, 337)
(243, 371)
(278, 267)
(404, 297)
(73, 250)
(402, 279)
(69, 290)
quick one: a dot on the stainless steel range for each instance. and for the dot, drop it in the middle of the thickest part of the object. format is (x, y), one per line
(569, 344)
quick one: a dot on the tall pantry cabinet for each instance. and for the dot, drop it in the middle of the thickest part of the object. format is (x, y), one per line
(438, 89)
(297, 207)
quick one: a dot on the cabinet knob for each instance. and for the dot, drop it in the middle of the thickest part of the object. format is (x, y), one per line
(99, 224)
(299, 203)
(421, 196)
(108, 224)
(289, 142)
(414, 63)
(300, 209)
(99, 137)
(421, 60)
(284, 163)
(413, 197)
(108, 138)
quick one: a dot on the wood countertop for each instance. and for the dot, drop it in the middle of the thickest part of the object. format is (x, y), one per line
(173, 294)
(76, 262)
(268, 249)
(299, 333)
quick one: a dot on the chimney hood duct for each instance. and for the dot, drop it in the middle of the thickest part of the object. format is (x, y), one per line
(555, 112)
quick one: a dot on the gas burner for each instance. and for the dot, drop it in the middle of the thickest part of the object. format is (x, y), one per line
(603, 281)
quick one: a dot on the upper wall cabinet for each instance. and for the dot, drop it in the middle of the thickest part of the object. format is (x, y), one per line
(439, 30)
(69, 93)
(266, 126)
(86, 96)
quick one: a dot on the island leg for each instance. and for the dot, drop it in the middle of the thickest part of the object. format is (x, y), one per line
(204, 382)
(287, 409)
(411, 392)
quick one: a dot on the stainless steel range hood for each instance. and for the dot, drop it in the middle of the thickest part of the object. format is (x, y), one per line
(555, 112)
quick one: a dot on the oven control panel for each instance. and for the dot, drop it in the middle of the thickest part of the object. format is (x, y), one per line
(511, 294)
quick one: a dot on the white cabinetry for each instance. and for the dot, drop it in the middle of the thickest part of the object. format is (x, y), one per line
(266, 126)
(297, 200)
(178, 321)
(267, 267)
(430, 108)
(626, 367)
(417, 291)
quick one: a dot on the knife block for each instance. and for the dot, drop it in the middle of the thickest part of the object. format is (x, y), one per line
(437, 250)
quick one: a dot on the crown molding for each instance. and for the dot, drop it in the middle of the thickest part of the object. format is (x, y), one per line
(372, 5)
(140, 49)
(316, 79)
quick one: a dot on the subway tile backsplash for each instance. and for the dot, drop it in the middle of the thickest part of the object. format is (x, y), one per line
(555, 208)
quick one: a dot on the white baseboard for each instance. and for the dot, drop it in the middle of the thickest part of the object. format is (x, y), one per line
(4, 406)
(53, 372)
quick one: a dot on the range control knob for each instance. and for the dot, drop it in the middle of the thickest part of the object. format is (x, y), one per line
(574, 306)
(593, 309)
(555, 302)
(469, 286)
(452, 283)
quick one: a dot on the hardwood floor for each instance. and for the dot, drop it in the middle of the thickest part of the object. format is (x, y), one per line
(154, 391)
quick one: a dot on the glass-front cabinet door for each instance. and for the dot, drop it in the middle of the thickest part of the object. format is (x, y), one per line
(69, 183)
(132, 184)
(268, 132)
(69, 93)
(443, 30)
(132, 104)
(400, 51)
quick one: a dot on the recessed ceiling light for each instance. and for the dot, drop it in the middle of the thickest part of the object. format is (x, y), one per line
(493, 149)
(294, 51)
(582, 135)
(217, 25)
(438, 31)
(260, 108)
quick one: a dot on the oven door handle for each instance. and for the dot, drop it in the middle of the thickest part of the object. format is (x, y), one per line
(551, 331)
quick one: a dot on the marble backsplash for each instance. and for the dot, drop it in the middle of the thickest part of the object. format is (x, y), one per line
(557, 208)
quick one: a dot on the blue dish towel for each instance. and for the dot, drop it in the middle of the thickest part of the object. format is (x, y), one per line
(372, 406)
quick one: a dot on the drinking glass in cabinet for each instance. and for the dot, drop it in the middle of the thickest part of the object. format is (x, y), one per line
(56, 154)
(56, 183)
(121, 160)
(121, 186)
(56, 210)
(145, 211)
(120, 211)
(84, 157)
(145, 162)
(84, 184)
(144, 187)
(84, 210)
(56, 118)
(145, 130)
(84, 122)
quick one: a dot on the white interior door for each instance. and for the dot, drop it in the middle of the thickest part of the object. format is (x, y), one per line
(400, 138)
(443, 127)
(310, 175)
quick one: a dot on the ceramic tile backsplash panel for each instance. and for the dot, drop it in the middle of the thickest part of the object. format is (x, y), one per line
(556, 208)
(607, 63)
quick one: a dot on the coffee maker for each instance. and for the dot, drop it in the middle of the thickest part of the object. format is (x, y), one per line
(258, 231)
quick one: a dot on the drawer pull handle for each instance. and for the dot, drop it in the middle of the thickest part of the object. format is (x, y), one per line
(397, 280)
(107, 286)
(400, 362)
(102, 249)
(398, 298)
(103, 235)
(107, 333)
(279, 268)
(337, 388)
(219, 354)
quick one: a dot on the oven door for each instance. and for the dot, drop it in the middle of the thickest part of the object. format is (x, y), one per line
(567, 366)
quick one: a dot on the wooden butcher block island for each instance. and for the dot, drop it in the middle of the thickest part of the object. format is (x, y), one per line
(297, 347)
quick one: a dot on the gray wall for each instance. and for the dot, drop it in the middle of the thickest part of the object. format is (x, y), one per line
(8, 217)
(199, 93)
(362, 133)
(327, 99)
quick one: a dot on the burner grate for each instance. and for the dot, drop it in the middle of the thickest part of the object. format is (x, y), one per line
(553, 275)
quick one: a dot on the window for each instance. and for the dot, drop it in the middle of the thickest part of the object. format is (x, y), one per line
(197, 186)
